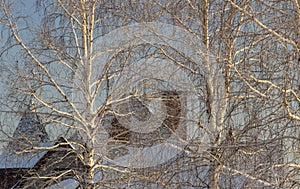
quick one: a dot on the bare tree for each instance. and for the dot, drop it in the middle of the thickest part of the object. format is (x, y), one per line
(110, 75)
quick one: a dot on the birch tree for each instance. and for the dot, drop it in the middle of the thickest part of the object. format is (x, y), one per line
(246, 95)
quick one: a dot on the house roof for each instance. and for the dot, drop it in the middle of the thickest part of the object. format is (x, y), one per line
(9, 177)
(30, 130)
(25, 153)
(19, 170)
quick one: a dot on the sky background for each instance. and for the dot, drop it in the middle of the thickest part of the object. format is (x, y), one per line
(28, 9)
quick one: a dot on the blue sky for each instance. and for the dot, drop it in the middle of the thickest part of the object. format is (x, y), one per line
(27, 9)
(20, 8)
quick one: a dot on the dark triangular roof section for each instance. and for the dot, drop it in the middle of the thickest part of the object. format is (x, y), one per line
(30, 130)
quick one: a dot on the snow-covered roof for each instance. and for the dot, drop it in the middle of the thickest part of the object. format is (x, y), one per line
(195, 174)
(65, 184)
